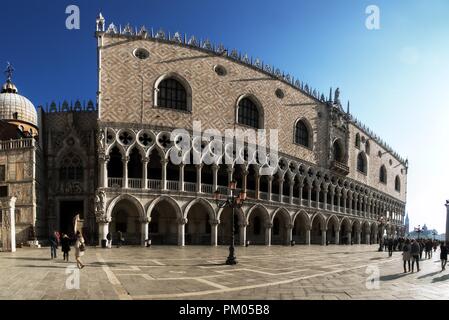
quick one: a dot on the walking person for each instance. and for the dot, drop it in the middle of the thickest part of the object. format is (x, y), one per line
(406, 255)
(79, 249)
(65, 246)
(109, 239)
(390, 247)
(421, 248)
(120, 239)
(428, 248)
(53, 245)
(443, 255)
(415, 250)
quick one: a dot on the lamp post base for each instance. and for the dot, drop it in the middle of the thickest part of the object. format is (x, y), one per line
(231, 260)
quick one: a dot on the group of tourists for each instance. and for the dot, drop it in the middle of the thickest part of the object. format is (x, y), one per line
(412, 251)
(57, 239)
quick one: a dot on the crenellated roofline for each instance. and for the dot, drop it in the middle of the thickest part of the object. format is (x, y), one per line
(235, 56)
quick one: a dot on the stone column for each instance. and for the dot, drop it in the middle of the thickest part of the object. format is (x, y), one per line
(291, 185)
(359, 237)
(164, 163)
(337, 236)
(214, 232)
(332, 194)
(309, 194)
(144, 231)
(125, 172)
(244, 180)
(242, 231)
(350, 201)
(281, 189)
(230, 171)
(181, 177)
(325, 199)
(198, 177)
(9, 224)
(300, 193)
(103, 176)
(323, 237)
(181, 231)
(339, 200)
(318, 189)
(257, 187)
(349, 235)
(289, 233)
(145, 173)
(270, 181)
(367, 238)
(103, 228)
(308, 236)
(268, 234)
(214, 177)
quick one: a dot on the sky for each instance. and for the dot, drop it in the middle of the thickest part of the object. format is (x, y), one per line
(396, 77)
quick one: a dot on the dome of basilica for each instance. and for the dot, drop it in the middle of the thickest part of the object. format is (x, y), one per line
(15, 107)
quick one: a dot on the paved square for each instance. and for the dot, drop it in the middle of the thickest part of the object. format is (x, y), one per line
(198, 272)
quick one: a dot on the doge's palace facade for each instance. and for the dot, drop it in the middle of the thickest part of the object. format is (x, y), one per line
(334, 182)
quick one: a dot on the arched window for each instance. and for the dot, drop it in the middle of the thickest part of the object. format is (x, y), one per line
(383, 174)
(397, 184)
(361, 163)
(248, 113)
(302, 135)
(367, 147)
(171, 94)
(357, 140)
(338, 151)
(71, 168)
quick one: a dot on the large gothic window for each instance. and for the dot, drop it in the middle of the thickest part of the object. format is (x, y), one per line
(302, 135)
(248, 113)
(397, 184)
(383, 174)
(361, 163)
(172, 94)
(338, 151)
(71, 168)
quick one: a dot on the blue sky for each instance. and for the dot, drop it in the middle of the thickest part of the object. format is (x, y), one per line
(397, 78)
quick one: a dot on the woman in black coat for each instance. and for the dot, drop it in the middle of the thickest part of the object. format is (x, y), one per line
(65, 245)
(443, 255)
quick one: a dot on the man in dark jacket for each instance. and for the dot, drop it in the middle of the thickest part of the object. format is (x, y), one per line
(53, 244)
(390, 247)
(415, 248)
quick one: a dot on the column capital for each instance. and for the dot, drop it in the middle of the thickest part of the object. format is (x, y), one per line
(214, 222)
(182, 221)
(145, 220)
(103, 219)
(125, 159)
(269, 225)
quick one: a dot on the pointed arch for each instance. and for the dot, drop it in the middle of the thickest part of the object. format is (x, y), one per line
(130, 198)
(333, 219)
(284, 212)
(168, 200)
(362, 163)
(302, 214)
(204, 203)
(262, 208)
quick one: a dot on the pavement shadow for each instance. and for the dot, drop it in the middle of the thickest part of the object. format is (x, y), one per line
(429, 275)
(28, 258)
(442, 278)
(392, 277)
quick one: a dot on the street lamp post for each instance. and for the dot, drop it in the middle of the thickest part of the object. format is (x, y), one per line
(447, 221)
(235, 202)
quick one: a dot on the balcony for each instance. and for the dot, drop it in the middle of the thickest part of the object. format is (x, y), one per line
(339, 167)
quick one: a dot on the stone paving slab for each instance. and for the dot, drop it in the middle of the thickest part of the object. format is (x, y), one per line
(199, 272)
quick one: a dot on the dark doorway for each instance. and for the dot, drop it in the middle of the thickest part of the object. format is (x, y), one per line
(68, 210)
